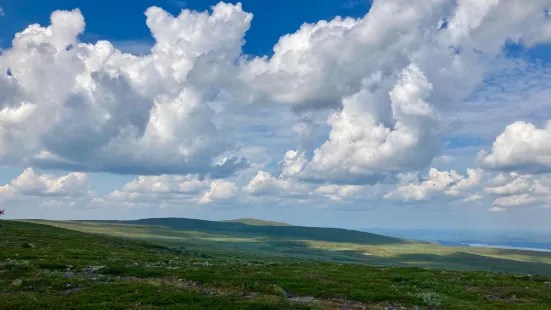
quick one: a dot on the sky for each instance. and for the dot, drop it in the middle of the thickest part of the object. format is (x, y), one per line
(352, 114)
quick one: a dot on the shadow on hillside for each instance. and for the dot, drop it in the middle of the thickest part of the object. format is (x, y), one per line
(301, 250)
(532, 253)
(282, 246)
(473, 262)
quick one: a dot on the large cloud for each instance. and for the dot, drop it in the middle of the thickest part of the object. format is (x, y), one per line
(388, 75)
(361, 145)
(391, 72)
(521, 147)
(90, 107)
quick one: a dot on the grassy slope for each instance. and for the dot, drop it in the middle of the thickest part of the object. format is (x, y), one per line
(330, 245)
(65, 269)
(280, 232)
(255, 222)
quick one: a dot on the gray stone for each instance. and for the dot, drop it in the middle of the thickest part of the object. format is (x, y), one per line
(72, 291)
(17, 282)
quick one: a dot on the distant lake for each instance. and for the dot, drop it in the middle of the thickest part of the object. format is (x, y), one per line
(506, 247)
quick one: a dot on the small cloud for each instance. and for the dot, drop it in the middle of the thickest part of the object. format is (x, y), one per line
(444, 159)
(473, 197)
(180, 3)
(2, 13)
(496, 209)
(350, 4)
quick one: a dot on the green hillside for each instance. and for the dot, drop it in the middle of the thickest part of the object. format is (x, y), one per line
(255, 222)
(280, 232)
(45, 267)
(315, 244)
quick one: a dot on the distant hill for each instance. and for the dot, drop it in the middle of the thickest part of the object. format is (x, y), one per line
(279, 232)
(256, 222)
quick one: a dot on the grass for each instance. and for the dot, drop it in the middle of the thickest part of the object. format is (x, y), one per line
(45, 267)
(256, 222)
(329, 245)
(244, 230)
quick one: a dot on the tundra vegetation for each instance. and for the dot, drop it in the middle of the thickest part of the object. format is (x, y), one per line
(161, 264)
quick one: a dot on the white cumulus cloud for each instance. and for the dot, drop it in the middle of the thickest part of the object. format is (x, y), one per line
(340, 192)
(89, 107)
(522, 147)
(390, 73)
(219, 190)
(437, 183)
(31, 184)
(265, 184)
(166, 184)
(513, 189)
(174, 189)
(360, 145)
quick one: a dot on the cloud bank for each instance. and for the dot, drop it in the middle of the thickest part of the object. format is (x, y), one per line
(384, 85)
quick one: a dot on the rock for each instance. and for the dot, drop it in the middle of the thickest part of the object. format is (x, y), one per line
(500, 298)
(304, 299)
(17, 282)
(547, 283)
(28, 245)
(68, 274)
(5, 292)
(72, 291)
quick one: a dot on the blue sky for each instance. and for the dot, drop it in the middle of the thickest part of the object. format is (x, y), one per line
(364, 120)
(105, 21)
